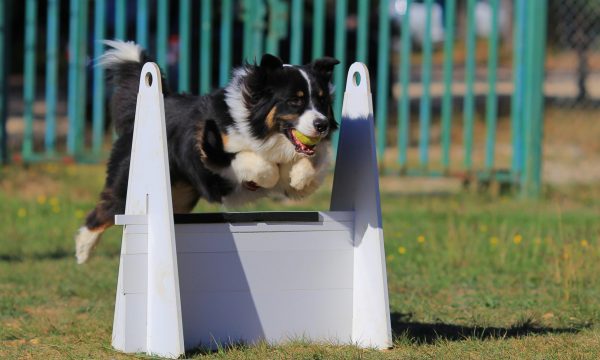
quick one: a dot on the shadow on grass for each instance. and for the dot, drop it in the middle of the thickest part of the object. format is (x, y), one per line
(56, 254)
(426, 333)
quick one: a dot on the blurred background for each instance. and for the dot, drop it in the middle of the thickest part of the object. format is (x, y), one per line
(487, 122)
(497, 91)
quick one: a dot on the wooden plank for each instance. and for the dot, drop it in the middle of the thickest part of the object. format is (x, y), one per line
(265, 270)
(267, 241)
(275, 316)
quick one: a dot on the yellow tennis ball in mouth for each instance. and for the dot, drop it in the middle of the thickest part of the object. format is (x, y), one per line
(306, 140)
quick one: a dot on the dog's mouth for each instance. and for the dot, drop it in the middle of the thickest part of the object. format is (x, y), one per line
(308, 150)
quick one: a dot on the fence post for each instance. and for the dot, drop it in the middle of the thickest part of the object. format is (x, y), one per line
(29, 77)
(383, 62)
(534, 105)
(3, 80)
(404, 98)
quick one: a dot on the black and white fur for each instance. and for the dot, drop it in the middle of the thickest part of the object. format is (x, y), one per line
(232, 146)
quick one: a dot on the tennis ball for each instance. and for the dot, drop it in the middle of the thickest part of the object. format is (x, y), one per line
(306, 140)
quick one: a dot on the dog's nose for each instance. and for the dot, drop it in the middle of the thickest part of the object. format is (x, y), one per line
(321, 125)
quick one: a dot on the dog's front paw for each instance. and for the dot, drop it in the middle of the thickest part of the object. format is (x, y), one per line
(251, 168)
(302, 174)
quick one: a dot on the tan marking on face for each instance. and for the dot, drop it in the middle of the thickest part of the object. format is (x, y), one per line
(225, 139)
(271, 118)
(300, 93)
(321, 93)
(288, 117)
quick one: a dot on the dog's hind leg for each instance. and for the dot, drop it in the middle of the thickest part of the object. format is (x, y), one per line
(98, 220)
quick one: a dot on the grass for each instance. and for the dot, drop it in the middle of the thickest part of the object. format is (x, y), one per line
(470, 275)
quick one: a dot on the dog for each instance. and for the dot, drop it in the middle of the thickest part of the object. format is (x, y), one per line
(239, 143)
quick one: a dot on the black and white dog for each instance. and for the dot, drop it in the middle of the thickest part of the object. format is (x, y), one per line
(240, 143)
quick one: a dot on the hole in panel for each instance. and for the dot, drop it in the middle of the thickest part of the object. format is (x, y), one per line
(148, 79)
(356, 78)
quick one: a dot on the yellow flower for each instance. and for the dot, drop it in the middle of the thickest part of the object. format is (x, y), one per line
(401, 250)
(584, 243)
(517, 239)
(421, 239)
(390, 258)
(56, 209)
(494, 241)
(21, 213)
(54, 201)
(483, 228)
(79, 214)
(52, 168)
(41, 199)
(538, 241)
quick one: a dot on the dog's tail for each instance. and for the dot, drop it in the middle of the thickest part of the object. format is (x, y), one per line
(123, 63)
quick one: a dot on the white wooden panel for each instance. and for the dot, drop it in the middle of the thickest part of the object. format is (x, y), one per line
(131, 220)
(270, 270)
(135, 271)
(135, 229)
(267, 241)
(135, 244)
(277, 316)
(135, 322)
(356, 187)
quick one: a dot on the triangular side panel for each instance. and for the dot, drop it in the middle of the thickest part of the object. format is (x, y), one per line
(149, 193)
(356, 188)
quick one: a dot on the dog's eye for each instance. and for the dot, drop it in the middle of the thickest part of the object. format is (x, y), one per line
(296, 102)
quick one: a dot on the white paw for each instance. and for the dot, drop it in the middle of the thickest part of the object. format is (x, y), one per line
(85, 241)
(302, 174)
(248, 166)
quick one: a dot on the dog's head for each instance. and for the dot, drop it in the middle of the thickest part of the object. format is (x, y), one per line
(273, 99)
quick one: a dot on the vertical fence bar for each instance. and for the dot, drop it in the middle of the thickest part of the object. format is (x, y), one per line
(297, 32)
(362, 36)
(225, 48)
(383, 60)
(318, 39)
(72, 96)
(98, 105)
(81, 77)
(425, 110)
(450, 12)
(3, 75)
(162, 34)
(258, 30)
(469, 101)
(533, 109)
(404, 98)
(141, 24)
(516, 115)
(120, 19)
(184, 46)
(492, 102)
(29, 76)
(277, 24)
(52, 30)
(206, 47)
(339, 74)
(247, 17)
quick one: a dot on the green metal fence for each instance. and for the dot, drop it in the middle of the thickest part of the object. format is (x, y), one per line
(233, 31)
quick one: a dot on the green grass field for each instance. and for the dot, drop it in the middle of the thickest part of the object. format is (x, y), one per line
(470, 275)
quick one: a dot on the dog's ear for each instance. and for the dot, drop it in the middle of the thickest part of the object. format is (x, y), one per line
(270, 63)
(324, 66)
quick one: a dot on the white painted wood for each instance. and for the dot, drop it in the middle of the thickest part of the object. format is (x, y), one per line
(277, 316)
(356, 188)
(181, 286)
(149, 194)
(131, 220)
